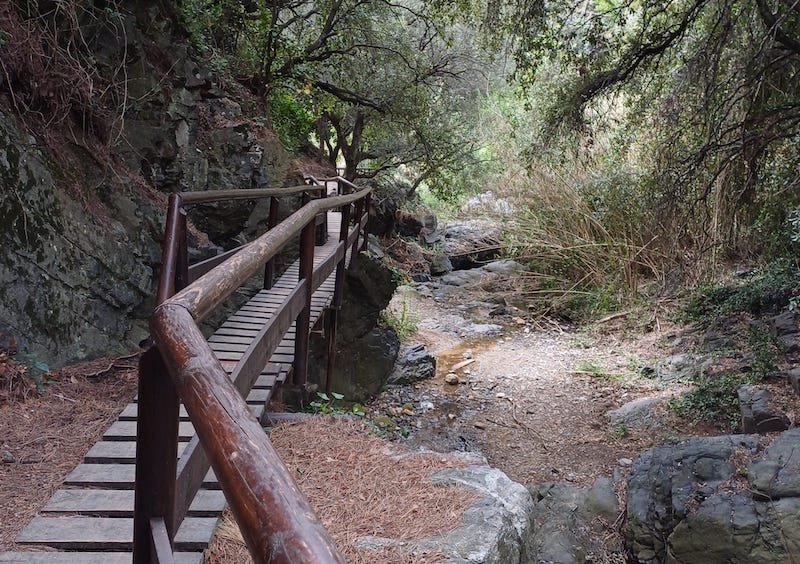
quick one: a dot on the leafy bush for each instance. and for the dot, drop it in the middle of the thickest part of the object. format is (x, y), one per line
(714, 399)
(766, 291)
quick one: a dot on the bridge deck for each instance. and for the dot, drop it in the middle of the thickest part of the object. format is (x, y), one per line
(90, 519)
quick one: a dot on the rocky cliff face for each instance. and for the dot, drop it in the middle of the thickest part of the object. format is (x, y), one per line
(80, 255)
(71, 285)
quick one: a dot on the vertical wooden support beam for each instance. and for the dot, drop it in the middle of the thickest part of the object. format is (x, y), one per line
(166, 282)
(182, 256)
(302, 329)
(357, 219)
(367, 200)
(338, 291)
(272, 221)
(156, 454)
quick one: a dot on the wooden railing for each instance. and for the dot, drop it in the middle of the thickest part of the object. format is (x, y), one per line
(276, 521)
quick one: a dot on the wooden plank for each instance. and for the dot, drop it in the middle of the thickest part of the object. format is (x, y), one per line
(126, 431)
(116, 476)
(117, 452)
(119, 503)
(218, 347)
(238, 331)
(132, 409)
(234, 357)
(259, 396)
(108, 533)
(243, 322)
(18, 557)
(262, 382)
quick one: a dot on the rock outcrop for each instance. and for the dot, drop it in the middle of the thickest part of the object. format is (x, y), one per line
(81, 230)
(365, 350)
(496, 529)
(716, 500)
(72, 286)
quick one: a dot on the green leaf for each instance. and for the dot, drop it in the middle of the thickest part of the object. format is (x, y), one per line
(337, 396)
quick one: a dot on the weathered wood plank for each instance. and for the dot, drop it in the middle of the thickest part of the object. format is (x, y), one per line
(119, 503)
(108, 533)
(117, 452)
(116, 476)
(132, 409)
(126, 431)
(87, 557)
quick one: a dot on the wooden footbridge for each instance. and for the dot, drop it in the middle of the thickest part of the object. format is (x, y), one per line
(153, 488)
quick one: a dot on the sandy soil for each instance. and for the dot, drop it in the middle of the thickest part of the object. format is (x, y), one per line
(534, 401)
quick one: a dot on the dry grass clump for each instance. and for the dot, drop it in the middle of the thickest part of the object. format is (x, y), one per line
(14, 385)
(359, 486)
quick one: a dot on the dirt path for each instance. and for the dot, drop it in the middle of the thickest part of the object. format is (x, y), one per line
(534, 400)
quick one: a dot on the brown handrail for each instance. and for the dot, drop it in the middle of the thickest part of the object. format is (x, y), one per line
(211, 289)
(209, 196)
(276, 521)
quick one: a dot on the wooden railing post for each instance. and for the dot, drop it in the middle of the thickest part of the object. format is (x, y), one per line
(156, 459)
(336, 304)
(272, 221)
(302, 329)
(359, 212)
(169, 254)
(365, 210)
(182, 256)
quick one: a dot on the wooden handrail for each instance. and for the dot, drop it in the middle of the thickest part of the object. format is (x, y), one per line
(211, 289)
(209, 196)
(276, 521)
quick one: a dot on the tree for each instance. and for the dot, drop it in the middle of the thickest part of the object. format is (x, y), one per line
(374, 74)
(707, 93)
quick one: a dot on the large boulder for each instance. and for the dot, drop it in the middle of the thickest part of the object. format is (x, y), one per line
(572, 524)
(716, 500)
(365, 349)
(495, 529)
(759, 412)
(471, 243)
(413, 364)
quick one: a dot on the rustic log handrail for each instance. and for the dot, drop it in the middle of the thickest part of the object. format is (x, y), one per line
(276, 521)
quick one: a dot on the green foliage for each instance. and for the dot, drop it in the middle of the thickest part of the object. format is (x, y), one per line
(768, 290)
(326, 404)
(290, 117)
(403, 322)
(714, 399)
(620, 432)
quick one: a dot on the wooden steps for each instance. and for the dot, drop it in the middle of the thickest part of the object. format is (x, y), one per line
(90, 519)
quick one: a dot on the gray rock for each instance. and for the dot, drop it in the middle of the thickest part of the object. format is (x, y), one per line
(470, 243)
(488, 202)
(777, 474)
(682, 367)
(790, 342)
(572, 523)
(365, 352)
(73, 283)
(440, 264)
(504, 267)
(636, 414)
(464, 277)
(497, 528)
(759, 414)
(485, 329)
(414, 363)
(785, 323)
(666, 480)
(686, 502)
(793, 376)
